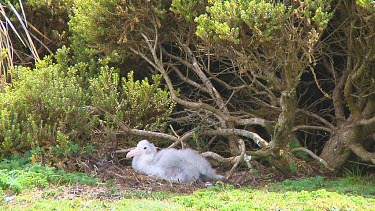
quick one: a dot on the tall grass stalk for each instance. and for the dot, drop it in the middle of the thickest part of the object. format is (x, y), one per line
(8, 33)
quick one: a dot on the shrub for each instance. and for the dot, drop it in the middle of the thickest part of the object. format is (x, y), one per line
(45, 108)
(40, 105)
(101, 28)
(139, 104)
(108, 24)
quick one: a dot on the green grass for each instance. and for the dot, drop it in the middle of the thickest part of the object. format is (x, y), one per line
(17, 174)
(35, 187)
(354, 193)
(88, 204)
(351, 193)
(224, 198)
(250, 199)
(348, 185)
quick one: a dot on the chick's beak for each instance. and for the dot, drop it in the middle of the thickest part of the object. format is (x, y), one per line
(134, 152)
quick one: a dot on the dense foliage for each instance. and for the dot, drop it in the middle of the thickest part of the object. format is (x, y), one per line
(45, 108)
(41, 104)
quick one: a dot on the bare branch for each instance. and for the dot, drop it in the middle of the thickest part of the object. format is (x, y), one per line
(219, 158)
(209, 143)
(128, 130)
(221, 112)
(311, 127)
(365, 122)
(242, 147)
(182, 139)
(316, 116)
(359, 150)
(189, 81)
(313, 156)
(227, 132)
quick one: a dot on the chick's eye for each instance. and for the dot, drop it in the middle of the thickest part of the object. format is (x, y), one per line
(144, 147)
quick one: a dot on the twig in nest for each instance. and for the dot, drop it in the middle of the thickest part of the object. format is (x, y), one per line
(181, 140)
(174, 132)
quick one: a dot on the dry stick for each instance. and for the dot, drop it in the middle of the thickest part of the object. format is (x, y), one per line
(360, 163)
(218, 157)
(178, 137)
(239, 158)
(311, 127)
(174, 132)
(257, 139)
(182, 139)
(367, 121)
(314, 156)
(128, 130)
(209, 143)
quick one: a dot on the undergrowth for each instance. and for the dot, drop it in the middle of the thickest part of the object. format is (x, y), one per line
(18, 173)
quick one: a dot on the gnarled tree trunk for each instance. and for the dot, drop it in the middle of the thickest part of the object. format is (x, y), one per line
(336, 151)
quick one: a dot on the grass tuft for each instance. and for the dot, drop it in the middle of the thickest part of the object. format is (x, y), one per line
(18, 174)
(362, 186)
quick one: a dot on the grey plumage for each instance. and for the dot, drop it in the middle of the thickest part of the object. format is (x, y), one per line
(171, 164)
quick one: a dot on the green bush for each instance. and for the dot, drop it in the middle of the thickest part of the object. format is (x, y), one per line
(101, 29)
(46, 107)
(107, 25)
(139, 104)
(40, 104)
